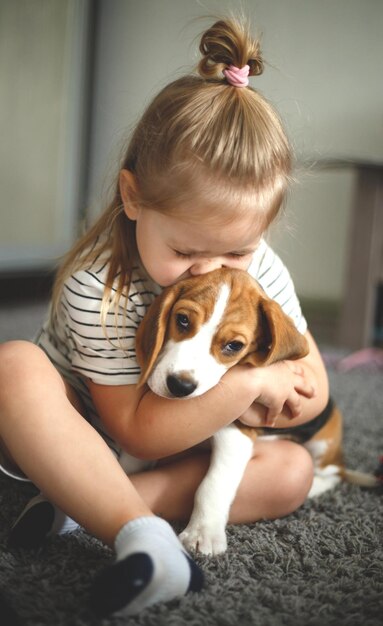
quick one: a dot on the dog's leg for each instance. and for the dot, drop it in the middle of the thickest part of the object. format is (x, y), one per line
(231, 452)
(325, 478)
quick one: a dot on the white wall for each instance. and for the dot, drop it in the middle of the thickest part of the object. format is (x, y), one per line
(42, 49)
(312, 235)
(327, 75)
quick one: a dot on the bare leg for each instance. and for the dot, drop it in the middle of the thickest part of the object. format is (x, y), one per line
(66, 458)
(56, 447)
(276, 482)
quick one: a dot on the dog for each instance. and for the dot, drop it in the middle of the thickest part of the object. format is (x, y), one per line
(192, 333)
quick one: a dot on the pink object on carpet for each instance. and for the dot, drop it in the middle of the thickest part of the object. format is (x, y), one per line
(369, 358)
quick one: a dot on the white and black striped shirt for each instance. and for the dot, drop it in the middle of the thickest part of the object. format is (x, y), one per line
(274, 278)
(78, 346)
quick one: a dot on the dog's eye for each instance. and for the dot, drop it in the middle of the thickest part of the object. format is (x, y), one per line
(232, 347)
(182, 321)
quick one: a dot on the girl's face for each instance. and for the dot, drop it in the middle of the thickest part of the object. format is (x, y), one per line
(172, 249)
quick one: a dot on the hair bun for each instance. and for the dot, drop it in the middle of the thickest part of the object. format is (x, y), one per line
(228, 42)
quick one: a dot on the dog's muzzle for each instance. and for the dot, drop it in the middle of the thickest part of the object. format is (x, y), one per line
(180, 385)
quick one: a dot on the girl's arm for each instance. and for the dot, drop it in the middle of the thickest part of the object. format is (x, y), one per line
(149, 426)
(152, 427)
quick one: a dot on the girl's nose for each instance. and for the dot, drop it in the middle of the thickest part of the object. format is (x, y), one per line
(203, 266)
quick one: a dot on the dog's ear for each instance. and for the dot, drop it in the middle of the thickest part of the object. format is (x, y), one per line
(276, 336)
(152, 331)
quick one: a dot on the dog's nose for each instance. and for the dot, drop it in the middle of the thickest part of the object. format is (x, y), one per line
(180, 386)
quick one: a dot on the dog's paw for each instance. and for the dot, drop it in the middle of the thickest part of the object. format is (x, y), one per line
(201, 538)
(322, 483)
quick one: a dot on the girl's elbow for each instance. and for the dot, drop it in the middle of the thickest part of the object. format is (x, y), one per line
(138, 446)
(322, 397)
(323, 390)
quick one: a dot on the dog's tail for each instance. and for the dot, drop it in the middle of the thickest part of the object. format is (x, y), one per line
(360, 478)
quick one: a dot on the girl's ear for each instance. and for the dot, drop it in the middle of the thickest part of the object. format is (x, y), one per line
(129, 193)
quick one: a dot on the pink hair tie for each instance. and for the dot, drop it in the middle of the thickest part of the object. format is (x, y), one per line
(237, 76)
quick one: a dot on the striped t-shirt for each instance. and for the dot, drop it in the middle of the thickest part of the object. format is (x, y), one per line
(79, 347)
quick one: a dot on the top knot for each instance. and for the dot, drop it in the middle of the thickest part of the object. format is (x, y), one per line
(227, 45)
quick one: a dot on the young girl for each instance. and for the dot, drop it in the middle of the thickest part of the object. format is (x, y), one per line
(205, 174)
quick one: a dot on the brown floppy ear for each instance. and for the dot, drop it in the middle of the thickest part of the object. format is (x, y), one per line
(277, 338)
(152, 330)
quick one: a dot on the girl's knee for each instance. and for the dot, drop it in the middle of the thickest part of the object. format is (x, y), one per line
(13, 353)
(296, 473)
(22, 363)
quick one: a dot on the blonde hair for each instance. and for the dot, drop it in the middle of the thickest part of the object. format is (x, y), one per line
(200, 138)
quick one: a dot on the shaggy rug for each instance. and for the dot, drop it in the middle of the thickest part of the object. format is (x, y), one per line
(323, 565)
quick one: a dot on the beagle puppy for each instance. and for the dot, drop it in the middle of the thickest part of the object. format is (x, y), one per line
(190, 336)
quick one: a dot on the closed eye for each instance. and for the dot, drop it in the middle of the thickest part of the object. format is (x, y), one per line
(231, 255)
(238, 255)
(182, 255)
(233, 347)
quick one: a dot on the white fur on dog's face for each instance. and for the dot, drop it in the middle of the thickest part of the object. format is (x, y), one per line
(199, 328)
(192, 357)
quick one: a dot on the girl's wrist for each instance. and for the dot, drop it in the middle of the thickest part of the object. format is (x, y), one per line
(245, 381)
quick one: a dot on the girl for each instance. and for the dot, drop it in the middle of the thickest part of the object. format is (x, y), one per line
(205, 174)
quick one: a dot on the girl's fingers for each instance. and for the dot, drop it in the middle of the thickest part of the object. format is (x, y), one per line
(305, 388)
(273, 411)
(295, 367)
(294, 404)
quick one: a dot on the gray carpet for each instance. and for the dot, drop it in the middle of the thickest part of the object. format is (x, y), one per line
(323, 565)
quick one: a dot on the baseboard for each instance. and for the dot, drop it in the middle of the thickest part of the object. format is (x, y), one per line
(26, 286)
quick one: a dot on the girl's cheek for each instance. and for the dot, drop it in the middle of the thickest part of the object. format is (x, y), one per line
(180, 270)
(171, 274)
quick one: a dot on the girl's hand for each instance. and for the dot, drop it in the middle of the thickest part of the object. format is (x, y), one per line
(281, 386)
